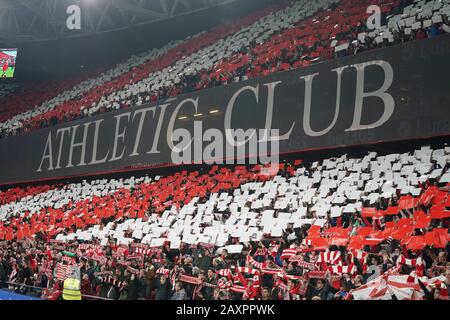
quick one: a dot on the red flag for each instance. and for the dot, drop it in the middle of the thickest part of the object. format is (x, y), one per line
(416, 243)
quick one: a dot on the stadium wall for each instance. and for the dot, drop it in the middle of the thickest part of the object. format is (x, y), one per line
(395, 93)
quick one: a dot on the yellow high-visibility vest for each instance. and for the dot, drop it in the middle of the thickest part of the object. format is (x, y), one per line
(71, 289)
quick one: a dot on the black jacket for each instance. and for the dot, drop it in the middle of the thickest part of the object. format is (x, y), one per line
(162, 290)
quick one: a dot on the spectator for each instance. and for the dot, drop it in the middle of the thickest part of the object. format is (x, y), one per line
(179, 292)
(162, 289)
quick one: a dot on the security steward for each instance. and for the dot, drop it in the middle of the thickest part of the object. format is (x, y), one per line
(72, 289)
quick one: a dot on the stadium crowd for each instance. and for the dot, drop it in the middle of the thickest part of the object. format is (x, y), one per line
(293, 34)
(200, 273)
(393, 244)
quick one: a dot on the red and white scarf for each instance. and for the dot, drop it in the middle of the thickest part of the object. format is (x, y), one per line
(274, 250)
(258, 265)
(248, 270)
(163, 271)
(224, 273)
(189, 279)
(146, 252)
(410, 262)
(288, 253)
(350, 269)
(85, 246)
(113, 281)
(331, 257)
(261, 252)
(62, 271)
(358, 254)
(67, 259)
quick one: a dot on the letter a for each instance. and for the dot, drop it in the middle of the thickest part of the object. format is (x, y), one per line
(73, 21)
(374, 21)
(48, 154)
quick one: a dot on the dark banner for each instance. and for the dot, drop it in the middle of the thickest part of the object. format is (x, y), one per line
(396, 93)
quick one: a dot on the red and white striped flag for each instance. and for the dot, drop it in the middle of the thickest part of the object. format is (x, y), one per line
(62, 271)
(99, 258)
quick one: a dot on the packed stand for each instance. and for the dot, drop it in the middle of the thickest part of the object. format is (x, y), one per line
(6, 89)
(374, 227)
(71, 104)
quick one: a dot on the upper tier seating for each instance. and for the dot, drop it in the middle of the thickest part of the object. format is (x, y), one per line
(277, 38)
(6, 89)
(69, 101)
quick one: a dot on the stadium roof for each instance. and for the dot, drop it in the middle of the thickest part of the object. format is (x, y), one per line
(34, 20)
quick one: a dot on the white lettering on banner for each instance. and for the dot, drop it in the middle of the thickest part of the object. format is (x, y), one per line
(48, 153)
(229, 138)
(308, 94)
(63, 131)
(269, 114)
(142, 113)
(389, 103)
(119, 135)
(174, 117)
(81, 145)
(128, 132)
(154, 148)
(95, 147)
